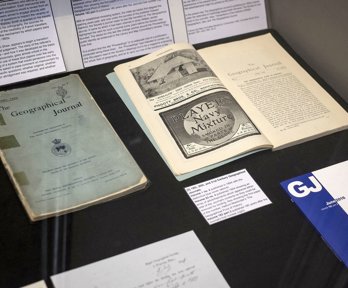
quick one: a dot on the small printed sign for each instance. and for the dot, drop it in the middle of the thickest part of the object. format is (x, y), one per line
(227, 196)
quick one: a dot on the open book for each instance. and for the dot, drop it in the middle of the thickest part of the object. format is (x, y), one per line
(60, 151)
(204, 108)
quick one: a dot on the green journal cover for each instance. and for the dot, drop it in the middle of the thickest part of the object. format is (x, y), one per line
(60, 151)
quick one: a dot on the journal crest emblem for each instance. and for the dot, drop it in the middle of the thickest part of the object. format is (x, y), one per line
(60, 149)
(61, 91)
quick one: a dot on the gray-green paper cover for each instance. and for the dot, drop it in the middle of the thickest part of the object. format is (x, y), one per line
(65, 154)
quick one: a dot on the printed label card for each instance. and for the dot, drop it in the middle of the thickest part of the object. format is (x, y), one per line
(227, 196)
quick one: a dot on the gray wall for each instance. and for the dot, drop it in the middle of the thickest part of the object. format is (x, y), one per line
(318, 31)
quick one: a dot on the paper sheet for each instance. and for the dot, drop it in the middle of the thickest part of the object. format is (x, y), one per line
(227, 196)
(210, 20)
(39, 284)
(43, 37)
(29, 46)
(180, 261)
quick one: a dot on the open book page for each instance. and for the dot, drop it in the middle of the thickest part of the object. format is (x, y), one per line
(283, 100)
(194, 120)
(60, 151)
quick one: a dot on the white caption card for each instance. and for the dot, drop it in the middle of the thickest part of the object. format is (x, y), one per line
(227, 196)
(179, 261)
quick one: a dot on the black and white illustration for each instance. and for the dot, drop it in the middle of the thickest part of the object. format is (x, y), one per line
(208, 123)
(170, 71)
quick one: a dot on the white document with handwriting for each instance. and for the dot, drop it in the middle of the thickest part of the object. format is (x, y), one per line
(179, 261)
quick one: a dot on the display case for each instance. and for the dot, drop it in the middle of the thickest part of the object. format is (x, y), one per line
(273, 246)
